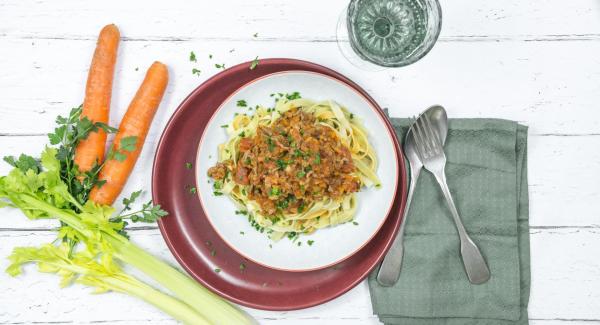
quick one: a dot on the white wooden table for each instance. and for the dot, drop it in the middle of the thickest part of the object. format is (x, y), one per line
(537, 62)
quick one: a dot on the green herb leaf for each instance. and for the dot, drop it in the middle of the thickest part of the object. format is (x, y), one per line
(128, 143)
(24, 163)
(310, 242)
(188, 165)
(127, 202)
(193, 57)
(292, 96)
(254, 63)
(242, 103)
(196, 71)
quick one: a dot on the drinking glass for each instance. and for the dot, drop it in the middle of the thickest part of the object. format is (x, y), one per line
(388, 33)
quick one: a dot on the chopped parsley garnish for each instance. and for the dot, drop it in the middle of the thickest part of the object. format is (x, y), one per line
(292, 235)
(193, 190)
(281, 164)
(301, 174)
(271, 144)
(210, 56)
(242, 134)
(196, 71)
(255, 35)
(225, 126)
(297, 153)
(355, 223)
(137, 69)
(299, 243)
(310, 242)
(217, 185)
(317, 158)
(301, 207)
(213, 252)
(241, 212)
(274, 191)
(242, 103)
(241, 233)
(215, 193)
(193, 57)
(283, 204)
(351, 116)
(188, 165)
(254, 63)
(242, 266)
(217, 270)
(292, 96)
(220, 66)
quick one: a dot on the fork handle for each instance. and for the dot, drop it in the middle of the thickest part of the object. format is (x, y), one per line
(474, 263)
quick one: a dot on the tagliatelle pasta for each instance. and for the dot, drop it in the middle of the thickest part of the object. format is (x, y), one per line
(295, 168)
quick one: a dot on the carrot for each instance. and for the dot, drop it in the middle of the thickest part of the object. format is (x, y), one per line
(96, 104)
(131, 135)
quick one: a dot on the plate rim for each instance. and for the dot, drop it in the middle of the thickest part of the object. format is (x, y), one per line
(375, 110)
(380, 250)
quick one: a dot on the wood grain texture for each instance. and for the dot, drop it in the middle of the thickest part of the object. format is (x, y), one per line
(36, 298)
(542, 84)
(275, 20)
(532, 61)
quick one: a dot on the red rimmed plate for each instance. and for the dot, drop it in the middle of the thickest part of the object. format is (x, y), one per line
(199, 248)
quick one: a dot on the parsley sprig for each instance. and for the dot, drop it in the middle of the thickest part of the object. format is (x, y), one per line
(67, 135)
(148, 213)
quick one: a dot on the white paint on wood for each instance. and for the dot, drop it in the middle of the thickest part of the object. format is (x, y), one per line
(280, 19)
(564, 285)
(542, 84)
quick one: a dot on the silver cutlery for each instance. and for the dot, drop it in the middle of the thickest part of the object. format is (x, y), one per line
(431, 153)
(389, 271)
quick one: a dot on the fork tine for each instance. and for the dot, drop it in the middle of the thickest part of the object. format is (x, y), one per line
(419, 140)
(426, 136)
(433, 134)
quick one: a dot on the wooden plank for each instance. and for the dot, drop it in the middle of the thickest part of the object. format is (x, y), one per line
(563, 286)
(276, 20)
(563, 174)
(539, 83)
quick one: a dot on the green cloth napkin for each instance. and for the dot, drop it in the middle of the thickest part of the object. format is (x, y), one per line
(487, 175)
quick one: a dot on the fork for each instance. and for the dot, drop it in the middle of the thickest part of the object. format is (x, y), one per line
(431, 152)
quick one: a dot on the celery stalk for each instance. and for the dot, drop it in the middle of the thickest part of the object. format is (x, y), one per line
(213, 308)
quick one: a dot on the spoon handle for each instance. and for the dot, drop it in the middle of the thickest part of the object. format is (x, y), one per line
(389, 271)
(475, 266)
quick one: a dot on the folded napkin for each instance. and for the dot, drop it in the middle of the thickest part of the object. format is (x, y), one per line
(487, 175)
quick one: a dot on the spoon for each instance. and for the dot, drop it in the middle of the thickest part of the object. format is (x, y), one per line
(389, 272)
